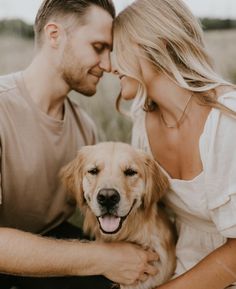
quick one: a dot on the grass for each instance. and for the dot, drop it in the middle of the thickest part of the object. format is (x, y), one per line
(221, 44)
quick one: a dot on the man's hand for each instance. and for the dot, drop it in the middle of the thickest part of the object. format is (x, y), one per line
(126, 263)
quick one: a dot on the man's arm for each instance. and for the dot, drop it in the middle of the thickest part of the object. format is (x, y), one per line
(216, 271)
(32, 255)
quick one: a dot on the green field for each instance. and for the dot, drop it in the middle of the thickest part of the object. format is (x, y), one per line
(16, 53)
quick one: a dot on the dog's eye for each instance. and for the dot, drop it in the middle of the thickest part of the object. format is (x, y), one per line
(130, 172)
(93, 171)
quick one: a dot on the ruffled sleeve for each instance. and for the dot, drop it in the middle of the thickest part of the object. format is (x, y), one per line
(218, 152)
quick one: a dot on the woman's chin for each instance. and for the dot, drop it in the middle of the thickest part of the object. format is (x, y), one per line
(127, 97)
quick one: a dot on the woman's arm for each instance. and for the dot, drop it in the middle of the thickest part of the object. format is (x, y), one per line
(216, 271)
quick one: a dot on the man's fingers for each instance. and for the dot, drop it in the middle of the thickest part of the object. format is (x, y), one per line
(151, 270)
(143, 277)
(152, 256)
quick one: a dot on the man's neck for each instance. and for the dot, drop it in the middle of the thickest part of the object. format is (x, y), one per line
(46, 87)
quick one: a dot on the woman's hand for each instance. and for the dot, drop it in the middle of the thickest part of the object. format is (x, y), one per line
(216, 271)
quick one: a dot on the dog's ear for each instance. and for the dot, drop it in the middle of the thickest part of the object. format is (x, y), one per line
(156, 183)
(71, 176)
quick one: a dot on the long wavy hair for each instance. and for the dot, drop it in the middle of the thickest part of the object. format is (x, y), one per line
(170, 37)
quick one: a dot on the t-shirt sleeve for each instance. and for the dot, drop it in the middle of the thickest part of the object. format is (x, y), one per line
(219, 164)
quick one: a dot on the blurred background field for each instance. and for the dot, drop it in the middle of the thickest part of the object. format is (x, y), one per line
(17, 51)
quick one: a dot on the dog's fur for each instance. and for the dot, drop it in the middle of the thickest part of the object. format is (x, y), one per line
(140, 185)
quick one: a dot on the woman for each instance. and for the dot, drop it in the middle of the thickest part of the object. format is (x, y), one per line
(184, 115)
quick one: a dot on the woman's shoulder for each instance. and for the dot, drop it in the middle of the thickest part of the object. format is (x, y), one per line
(217, 115)
(219, 165)
(220, 129)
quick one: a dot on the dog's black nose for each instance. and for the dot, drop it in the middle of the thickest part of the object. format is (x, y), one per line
(108, 198)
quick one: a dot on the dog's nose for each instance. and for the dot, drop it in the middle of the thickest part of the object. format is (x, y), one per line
(108, 198)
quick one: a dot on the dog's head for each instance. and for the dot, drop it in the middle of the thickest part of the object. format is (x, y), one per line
(114, 181)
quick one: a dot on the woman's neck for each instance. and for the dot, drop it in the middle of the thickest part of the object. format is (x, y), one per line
(172, 100)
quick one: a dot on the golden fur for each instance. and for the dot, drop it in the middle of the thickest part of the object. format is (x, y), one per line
(135, 176)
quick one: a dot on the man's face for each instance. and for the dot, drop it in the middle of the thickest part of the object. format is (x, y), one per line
(87, 52)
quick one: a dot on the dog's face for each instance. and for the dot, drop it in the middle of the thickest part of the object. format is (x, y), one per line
(114, 180)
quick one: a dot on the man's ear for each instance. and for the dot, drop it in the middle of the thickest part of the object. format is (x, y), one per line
(54, 33)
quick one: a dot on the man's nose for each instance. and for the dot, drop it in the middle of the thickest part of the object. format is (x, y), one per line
(105, 63)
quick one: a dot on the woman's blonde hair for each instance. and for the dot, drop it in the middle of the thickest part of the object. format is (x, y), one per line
(170, 37)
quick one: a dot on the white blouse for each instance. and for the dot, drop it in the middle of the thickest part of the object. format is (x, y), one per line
(205, 206)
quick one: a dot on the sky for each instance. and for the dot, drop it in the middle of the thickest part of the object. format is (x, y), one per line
(26, 9)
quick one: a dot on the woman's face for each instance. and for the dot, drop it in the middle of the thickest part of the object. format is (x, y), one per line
(129, 86)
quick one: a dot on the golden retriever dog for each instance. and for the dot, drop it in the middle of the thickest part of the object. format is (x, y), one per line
(117, 189)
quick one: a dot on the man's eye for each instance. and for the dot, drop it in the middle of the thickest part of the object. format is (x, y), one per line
(130, 172)
(93, 171)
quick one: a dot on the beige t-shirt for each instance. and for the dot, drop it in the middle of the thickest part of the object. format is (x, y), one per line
(33, 148)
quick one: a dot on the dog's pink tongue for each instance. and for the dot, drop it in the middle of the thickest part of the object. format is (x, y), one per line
(109, 223)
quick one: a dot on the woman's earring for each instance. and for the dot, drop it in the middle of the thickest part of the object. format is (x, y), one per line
(149, 105)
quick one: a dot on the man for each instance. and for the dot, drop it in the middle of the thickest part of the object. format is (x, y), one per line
(41, 130)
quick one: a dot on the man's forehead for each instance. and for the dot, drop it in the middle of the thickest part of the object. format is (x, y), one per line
(98, 26)
(97, 15)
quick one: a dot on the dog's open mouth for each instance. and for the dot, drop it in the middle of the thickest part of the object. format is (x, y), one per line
(111, 224)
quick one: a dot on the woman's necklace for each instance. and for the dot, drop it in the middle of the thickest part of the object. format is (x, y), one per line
(179, 121)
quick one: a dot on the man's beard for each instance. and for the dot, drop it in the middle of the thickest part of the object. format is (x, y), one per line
(75, 76)
(78, 84)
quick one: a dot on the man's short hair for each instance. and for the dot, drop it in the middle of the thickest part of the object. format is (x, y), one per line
(54, 9)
